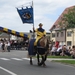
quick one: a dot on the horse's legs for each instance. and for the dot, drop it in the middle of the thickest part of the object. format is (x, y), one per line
(31, 63)
(43, 60)
(38, 58)
(45, 57)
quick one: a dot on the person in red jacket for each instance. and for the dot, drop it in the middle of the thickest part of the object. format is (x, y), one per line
(56, 44)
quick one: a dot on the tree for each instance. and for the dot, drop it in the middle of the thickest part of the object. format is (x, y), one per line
(68, 19)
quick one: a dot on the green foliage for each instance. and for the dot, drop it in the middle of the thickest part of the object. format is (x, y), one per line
(68, 19)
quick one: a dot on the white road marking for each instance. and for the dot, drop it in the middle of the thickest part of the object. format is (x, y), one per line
(27, 58)
(16, 59)
(4, 59)
(7, 71)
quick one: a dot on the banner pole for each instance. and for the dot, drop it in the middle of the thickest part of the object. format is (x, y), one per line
(33, 32)
(33, 23)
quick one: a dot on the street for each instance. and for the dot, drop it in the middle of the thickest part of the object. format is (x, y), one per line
(16, 62)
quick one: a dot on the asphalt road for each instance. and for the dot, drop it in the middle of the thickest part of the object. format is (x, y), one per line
(17, 63)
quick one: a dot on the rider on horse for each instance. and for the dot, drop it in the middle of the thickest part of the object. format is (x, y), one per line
(40, 32)
(39, 45)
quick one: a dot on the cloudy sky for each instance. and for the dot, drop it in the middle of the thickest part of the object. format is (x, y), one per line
(45, 11)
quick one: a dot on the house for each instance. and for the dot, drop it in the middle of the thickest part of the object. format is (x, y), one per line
(65, 37)
(4, 36)
(7, 36)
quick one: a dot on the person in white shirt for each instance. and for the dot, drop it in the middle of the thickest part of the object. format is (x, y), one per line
(8, 46)
(52, 52)
(0, 45)
(59, 48)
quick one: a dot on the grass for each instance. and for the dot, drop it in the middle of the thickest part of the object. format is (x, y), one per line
(70, 62)
(67, 61)
(69, 57)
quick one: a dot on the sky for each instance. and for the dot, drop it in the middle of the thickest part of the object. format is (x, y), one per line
(45, 12)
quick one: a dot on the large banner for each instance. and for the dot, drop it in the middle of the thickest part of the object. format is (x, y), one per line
(26, 14)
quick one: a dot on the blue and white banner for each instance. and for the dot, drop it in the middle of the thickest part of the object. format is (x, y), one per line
(26, 14)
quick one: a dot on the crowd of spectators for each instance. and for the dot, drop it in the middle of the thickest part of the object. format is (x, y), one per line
(6, 45)
(62, 50)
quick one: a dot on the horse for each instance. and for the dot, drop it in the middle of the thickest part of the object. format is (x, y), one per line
(41, 50)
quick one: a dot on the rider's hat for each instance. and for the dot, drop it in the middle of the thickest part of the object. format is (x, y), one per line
(40, 24)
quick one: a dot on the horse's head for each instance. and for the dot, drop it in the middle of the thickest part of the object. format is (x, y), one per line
(44, 42)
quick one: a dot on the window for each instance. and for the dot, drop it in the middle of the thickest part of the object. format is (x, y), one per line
(53, 34)
(62, 34)
(68, 43)
(69, 33)
(57, 34)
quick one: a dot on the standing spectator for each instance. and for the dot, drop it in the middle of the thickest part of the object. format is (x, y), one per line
(57, 44)
(8, 46)
(0, 45)
(51, 44)
(26, 44)
(3, 46)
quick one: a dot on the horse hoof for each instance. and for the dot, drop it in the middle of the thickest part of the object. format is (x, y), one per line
(44, 65)
(40, 64)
